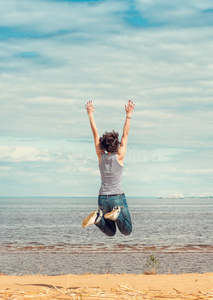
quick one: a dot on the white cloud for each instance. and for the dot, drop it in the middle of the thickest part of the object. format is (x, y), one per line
(33, 154)
(181, 13)
(89, 171)
(194, 171)
(5, 168)
(21, 154)
(41, 16)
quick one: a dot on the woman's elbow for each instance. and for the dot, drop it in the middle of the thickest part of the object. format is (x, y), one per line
(125, 133)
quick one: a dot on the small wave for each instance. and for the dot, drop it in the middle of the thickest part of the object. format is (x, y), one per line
(121, 248)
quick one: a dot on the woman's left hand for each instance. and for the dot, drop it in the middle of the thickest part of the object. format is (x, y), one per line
(90, 108)
(129, 108)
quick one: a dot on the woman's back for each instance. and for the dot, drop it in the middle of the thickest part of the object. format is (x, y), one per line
(111, 175)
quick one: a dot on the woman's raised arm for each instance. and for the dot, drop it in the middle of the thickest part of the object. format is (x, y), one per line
(122, 150)
(90, 111)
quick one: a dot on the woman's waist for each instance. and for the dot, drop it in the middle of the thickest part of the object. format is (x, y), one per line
(112, 195)
(111, 190)
(114, 199)
(112, 183)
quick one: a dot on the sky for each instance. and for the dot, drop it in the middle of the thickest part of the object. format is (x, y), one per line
(56, 55)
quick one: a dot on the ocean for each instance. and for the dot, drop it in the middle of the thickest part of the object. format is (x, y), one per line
(44, 236)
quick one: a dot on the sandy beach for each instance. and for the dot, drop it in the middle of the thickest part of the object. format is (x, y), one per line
(108, 286)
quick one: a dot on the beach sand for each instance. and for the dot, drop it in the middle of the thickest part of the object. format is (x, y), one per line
(108, 286)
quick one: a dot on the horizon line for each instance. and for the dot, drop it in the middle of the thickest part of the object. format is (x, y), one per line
(210, 196)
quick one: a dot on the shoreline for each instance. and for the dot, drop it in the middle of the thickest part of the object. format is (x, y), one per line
(131, 286)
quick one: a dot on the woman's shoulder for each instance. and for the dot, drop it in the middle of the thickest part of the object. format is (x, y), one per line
(101, 157)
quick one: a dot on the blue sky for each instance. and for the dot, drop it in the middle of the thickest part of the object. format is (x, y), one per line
(56, 55)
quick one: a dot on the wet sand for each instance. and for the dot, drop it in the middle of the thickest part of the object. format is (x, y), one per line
(108, 286)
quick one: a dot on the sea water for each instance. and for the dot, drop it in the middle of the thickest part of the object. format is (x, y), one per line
(44, 235)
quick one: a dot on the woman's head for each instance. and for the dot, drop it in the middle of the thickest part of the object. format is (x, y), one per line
(109, 141)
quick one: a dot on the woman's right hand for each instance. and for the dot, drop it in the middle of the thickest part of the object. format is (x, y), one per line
(129, 108)
(90, 108)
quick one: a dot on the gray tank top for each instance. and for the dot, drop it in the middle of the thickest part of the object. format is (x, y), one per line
(111, 175)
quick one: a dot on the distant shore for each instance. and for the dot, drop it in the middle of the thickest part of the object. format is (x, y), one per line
(108, 286)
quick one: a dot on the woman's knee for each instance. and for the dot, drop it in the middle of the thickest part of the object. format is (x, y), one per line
(110, 233)
(126, 231)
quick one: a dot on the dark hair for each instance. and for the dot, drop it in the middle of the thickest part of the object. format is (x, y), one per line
(109, 141)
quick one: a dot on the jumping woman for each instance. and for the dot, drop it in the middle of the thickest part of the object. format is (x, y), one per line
(112, 205)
